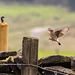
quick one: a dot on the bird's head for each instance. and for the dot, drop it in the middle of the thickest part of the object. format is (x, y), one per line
(2, 18)
(49, 29)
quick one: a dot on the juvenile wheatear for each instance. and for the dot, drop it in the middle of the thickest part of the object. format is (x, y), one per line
(54, 35)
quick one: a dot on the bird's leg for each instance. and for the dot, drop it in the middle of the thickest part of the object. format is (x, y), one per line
(50, 39)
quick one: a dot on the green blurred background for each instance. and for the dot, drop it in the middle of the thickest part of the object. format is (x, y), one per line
(32, 18)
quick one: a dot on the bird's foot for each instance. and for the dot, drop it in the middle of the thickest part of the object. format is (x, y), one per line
(50, 39)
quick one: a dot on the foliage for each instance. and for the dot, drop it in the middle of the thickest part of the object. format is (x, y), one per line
(71, 4)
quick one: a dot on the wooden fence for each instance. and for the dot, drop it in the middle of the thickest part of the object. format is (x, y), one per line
(31, 65)
(29, 58)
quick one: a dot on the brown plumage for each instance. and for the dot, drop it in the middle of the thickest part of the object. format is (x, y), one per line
(54, 35)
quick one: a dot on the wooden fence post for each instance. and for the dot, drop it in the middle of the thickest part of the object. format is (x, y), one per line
(30, 55)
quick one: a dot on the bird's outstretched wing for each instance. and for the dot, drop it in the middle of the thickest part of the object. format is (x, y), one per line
(61, 32)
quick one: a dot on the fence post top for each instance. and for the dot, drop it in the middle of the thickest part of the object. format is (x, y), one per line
(31, 38)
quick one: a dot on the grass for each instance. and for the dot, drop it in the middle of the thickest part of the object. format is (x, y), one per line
(21, 19)
(43, 53)
(37, 12)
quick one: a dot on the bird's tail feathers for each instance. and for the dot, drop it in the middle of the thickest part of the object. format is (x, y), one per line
(59, 43)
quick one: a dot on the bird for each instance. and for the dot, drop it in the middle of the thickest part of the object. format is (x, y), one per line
(2, 18)
(55, 35)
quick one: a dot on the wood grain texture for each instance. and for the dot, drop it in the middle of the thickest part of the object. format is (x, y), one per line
(30, 55)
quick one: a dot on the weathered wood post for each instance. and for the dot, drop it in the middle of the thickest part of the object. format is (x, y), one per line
(30, 55)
